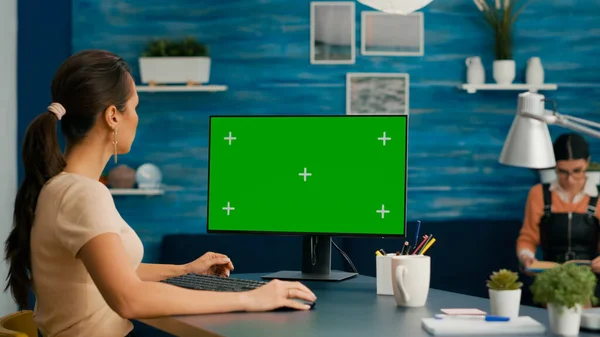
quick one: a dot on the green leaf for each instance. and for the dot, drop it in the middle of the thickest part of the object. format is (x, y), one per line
(504, 279)
(566, 285)
(165, 48)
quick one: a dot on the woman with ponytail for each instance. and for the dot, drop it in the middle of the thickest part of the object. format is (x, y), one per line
(69, 245)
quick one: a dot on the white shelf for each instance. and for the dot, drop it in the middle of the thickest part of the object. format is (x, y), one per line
(137, 191)
(180, 88)
(472, 88)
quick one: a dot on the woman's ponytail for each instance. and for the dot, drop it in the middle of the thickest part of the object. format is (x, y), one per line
(42, 160)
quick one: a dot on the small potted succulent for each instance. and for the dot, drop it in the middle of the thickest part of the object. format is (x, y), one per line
(505, 293)
(565, 289)
(169, 62)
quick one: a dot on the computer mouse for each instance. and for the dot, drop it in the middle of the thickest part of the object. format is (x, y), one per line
(311, 304)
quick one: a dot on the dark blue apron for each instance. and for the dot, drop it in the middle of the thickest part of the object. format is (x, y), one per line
(569, 236)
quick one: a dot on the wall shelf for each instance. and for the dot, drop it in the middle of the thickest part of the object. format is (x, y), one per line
(137, 191)
(180, 88)
(472, 88)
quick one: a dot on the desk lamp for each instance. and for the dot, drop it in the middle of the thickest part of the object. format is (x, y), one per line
(528, 143)
(396, 6)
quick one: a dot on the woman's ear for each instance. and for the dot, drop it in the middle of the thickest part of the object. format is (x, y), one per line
(111, 117)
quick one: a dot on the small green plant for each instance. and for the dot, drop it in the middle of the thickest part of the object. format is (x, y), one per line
(565, 286)
(186, 47)
(504, 279)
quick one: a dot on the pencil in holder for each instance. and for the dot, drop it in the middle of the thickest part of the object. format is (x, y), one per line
(383, 269)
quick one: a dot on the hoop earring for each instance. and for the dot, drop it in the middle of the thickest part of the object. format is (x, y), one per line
(115, 143)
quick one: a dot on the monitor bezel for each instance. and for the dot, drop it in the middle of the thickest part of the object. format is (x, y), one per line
(347, 235)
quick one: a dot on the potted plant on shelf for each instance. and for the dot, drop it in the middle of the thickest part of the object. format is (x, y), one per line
(501, 15)
(505, 293)
(169, 62)
(565, 289)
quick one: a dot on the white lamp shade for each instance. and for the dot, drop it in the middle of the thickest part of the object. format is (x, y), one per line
(528, 143)
(396, 6)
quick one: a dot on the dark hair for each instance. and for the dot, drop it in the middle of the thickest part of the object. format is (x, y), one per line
(85, 85)
(571, 146)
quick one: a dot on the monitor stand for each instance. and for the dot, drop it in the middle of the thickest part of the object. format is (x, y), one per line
(316, 263)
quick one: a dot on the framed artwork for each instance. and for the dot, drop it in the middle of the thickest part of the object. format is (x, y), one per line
(392, 34)
(332, 32)
(377, 93)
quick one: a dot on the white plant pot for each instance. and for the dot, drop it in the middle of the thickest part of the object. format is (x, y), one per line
(563, 321)
(504, 71)
(171, 70)
(505, 302)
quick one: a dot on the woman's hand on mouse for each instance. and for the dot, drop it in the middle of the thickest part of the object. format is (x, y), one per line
(210, 264)
(277, 294)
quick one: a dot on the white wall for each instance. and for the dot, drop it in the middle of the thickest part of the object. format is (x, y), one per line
(8, 134)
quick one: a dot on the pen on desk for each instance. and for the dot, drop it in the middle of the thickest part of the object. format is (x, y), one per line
(382, 251)
(407, 251)
(417, 232)
(488, 318)
(427, 246)
(420, 244)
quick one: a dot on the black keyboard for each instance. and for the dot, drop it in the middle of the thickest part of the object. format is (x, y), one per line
(213, 283)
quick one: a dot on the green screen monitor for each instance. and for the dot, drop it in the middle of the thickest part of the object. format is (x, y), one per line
(316, 176)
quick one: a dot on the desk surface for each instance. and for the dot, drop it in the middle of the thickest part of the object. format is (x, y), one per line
(347, 308)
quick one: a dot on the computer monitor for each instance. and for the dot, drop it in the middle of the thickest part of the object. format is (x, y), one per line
(317, 175)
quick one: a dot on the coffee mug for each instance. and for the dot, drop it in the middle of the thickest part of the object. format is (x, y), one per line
(410, 279)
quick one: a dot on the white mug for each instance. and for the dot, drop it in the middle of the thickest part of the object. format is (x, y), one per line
(410, 279)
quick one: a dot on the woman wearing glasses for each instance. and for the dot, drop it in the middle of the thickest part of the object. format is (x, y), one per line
(561, 217)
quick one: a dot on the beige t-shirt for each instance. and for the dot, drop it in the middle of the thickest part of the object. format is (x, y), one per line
(71, 210)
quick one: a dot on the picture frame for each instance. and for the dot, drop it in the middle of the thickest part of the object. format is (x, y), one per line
(377, 93)
(332, 32)
(380, 34)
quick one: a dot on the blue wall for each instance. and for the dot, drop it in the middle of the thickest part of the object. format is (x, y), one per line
(260, 49)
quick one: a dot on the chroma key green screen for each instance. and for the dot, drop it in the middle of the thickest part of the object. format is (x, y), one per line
(343, 175)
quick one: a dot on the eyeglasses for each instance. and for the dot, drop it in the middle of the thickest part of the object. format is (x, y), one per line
(576, 173)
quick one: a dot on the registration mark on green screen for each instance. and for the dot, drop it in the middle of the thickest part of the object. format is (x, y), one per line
(308, 174)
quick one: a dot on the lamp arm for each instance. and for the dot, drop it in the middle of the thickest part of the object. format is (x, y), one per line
(566, 121)
(582, 121)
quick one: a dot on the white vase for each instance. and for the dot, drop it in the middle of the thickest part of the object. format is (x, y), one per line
(169, 70)
(475, 71)
(504, 71)
(563, 321)
(505, 302)
(535, 72)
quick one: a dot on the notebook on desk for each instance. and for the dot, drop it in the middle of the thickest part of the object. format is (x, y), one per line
(540, 266)
(523, 325)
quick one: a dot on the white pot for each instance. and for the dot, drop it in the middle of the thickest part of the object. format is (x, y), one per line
(505, 302)
(504, 71)
(535, 71)
(170, 70)
(563, 321)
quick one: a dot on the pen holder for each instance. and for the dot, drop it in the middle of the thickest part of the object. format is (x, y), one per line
(383, 266)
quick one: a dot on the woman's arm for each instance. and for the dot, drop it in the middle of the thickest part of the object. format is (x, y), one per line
(529, 236)
(131, 297)
(158, 272)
